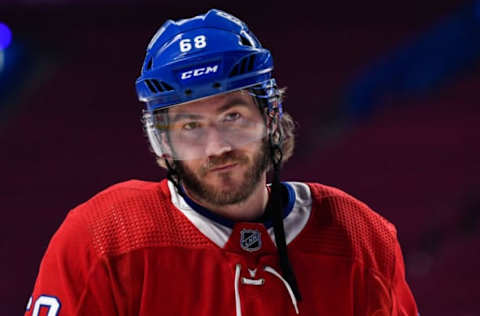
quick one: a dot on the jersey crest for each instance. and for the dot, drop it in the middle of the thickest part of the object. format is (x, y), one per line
(250, 240)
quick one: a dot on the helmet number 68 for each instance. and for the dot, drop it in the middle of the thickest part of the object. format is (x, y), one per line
(199, 41)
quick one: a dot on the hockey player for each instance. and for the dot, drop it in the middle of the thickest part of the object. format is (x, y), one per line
(214, 238)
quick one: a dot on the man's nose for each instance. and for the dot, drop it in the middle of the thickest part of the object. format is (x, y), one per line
(215, 143)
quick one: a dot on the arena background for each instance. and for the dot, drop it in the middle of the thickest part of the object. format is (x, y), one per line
(385, 95)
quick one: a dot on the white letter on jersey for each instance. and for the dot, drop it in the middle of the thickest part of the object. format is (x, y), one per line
(50, 302)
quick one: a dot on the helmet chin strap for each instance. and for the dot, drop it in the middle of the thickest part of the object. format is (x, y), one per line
(275, 211)
(173, 176)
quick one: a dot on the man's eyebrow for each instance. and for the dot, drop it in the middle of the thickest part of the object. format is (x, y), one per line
(237, 101)
(185, 116)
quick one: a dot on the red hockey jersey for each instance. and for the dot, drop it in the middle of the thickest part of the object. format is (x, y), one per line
(138, 248)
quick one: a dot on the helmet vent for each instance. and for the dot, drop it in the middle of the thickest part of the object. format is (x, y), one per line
(166, 86)
(251, 61)
(149, 64)
(244, 66)
(245, 42)
(156, 86)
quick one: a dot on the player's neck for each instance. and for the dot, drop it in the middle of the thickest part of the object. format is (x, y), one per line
(250, 209)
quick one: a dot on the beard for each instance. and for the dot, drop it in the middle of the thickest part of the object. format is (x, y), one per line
(225, 196)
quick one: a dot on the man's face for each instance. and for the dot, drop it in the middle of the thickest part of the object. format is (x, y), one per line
(220, 146)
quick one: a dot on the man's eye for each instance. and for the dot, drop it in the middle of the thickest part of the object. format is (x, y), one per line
(190, 126)
(232, 116)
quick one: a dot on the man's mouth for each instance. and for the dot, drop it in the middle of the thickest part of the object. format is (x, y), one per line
(223, 167)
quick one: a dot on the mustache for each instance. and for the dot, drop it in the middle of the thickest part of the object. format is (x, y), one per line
(227, 158)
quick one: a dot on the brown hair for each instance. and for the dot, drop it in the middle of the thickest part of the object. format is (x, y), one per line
(287, 126)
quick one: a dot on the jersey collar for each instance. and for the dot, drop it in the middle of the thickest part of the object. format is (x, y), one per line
(288, 192)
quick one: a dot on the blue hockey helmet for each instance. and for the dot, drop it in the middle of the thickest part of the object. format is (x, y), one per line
(199, 57)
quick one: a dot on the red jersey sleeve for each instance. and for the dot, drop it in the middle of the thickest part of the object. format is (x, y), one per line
(387, 291)
(388, 297)
(353, 230)
(402, 297)
(72, 279)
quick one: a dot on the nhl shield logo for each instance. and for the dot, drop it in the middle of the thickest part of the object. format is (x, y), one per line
(250, 240)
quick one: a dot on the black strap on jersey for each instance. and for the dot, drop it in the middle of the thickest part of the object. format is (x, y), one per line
(275, 210)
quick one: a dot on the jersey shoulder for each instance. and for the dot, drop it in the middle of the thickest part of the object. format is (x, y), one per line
(135, 214)
(347, 227)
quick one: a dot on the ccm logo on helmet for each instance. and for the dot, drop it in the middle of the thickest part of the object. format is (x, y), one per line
(199, 72)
